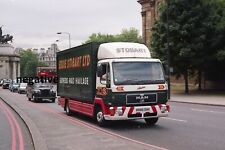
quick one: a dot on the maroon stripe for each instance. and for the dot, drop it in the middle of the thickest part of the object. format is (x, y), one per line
(131, 110)
(160, 106)
(154, 109)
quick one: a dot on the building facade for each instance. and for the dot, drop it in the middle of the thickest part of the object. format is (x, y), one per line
(49, 57)
(149, 13)
(9, 62)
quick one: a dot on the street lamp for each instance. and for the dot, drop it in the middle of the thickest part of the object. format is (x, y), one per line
(68, 35)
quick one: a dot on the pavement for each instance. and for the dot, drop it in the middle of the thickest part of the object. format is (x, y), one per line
(204, 99)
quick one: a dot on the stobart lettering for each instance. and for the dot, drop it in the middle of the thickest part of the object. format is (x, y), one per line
(74, 62)
(130, 50)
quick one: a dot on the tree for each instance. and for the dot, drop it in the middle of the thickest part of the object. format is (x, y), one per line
(192, 28)
(217, 64)
(126, 35)
(28, 63)
(131, 35)
(100, 38)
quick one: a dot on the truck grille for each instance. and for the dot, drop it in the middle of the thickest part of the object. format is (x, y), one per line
(141, 98)
(45, 92)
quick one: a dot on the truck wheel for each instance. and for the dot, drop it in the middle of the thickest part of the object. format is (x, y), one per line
(151, 121)
(68, 111)
(99, 116)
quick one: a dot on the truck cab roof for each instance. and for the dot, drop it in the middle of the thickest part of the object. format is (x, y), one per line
(123, 50)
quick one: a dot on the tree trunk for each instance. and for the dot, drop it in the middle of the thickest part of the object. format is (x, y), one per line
(186, 81)
(199, 79)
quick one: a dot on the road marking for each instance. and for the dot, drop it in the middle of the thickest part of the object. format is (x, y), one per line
(13, 130)
(209, 111)
(16, 125)
(168, 118)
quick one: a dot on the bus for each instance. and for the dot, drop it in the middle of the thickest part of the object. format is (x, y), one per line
(46, 71)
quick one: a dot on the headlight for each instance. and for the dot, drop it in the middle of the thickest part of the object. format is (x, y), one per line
(53, 92)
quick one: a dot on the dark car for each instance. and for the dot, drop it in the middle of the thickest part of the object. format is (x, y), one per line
(5, 84)
(40, 92)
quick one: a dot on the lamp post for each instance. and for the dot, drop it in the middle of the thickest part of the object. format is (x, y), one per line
(68, 35)
(168, 48)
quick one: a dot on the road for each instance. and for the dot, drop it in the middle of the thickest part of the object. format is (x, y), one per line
(14, 134)
(189, 127)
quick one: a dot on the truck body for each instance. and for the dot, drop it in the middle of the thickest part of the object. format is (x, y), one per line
(112, 81)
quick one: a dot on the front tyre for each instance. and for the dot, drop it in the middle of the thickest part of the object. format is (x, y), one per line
(151, 121)
(53, 100)
(34, 99)
(99, 117)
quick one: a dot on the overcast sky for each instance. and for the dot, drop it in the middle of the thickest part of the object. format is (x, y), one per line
(34, 23)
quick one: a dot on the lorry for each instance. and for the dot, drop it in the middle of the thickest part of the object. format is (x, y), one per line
(112, 81)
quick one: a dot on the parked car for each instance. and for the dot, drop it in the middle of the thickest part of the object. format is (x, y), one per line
(6, 83)
(13, 86)
(41, 91)
(22, 88)
(1, 82)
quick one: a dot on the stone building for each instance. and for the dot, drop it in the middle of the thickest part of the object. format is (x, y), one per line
(9, 62)
(150, 12)
(49, 57)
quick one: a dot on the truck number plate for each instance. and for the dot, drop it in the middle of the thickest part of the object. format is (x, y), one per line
(142, 109)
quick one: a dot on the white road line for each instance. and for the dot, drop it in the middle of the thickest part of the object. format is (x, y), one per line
(209, 111)
(168, 118)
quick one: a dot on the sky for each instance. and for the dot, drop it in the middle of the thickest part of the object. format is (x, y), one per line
(34, 23)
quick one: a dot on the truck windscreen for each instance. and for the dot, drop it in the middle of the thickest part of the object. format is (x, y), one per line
(136, 73)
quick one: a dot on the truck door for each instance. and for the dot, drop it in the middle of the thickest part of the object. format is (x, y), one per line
(104, 80)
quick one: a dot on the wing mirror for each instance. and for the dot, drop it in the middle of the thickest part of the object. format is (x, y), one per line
(99, 70)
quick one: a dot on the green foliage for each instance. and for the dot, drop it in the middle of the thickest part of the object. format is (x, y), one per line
(28, 63)
(196, 34)
(130, 35)
(101, 38)
(42, 64)
(126, 35)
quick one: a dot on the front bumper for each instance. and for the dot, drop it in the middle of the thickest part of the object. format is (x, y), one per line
(15, 88)
(44, 97)
(39, 95)
(5, 86)
(21, 90)
(137, 112)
